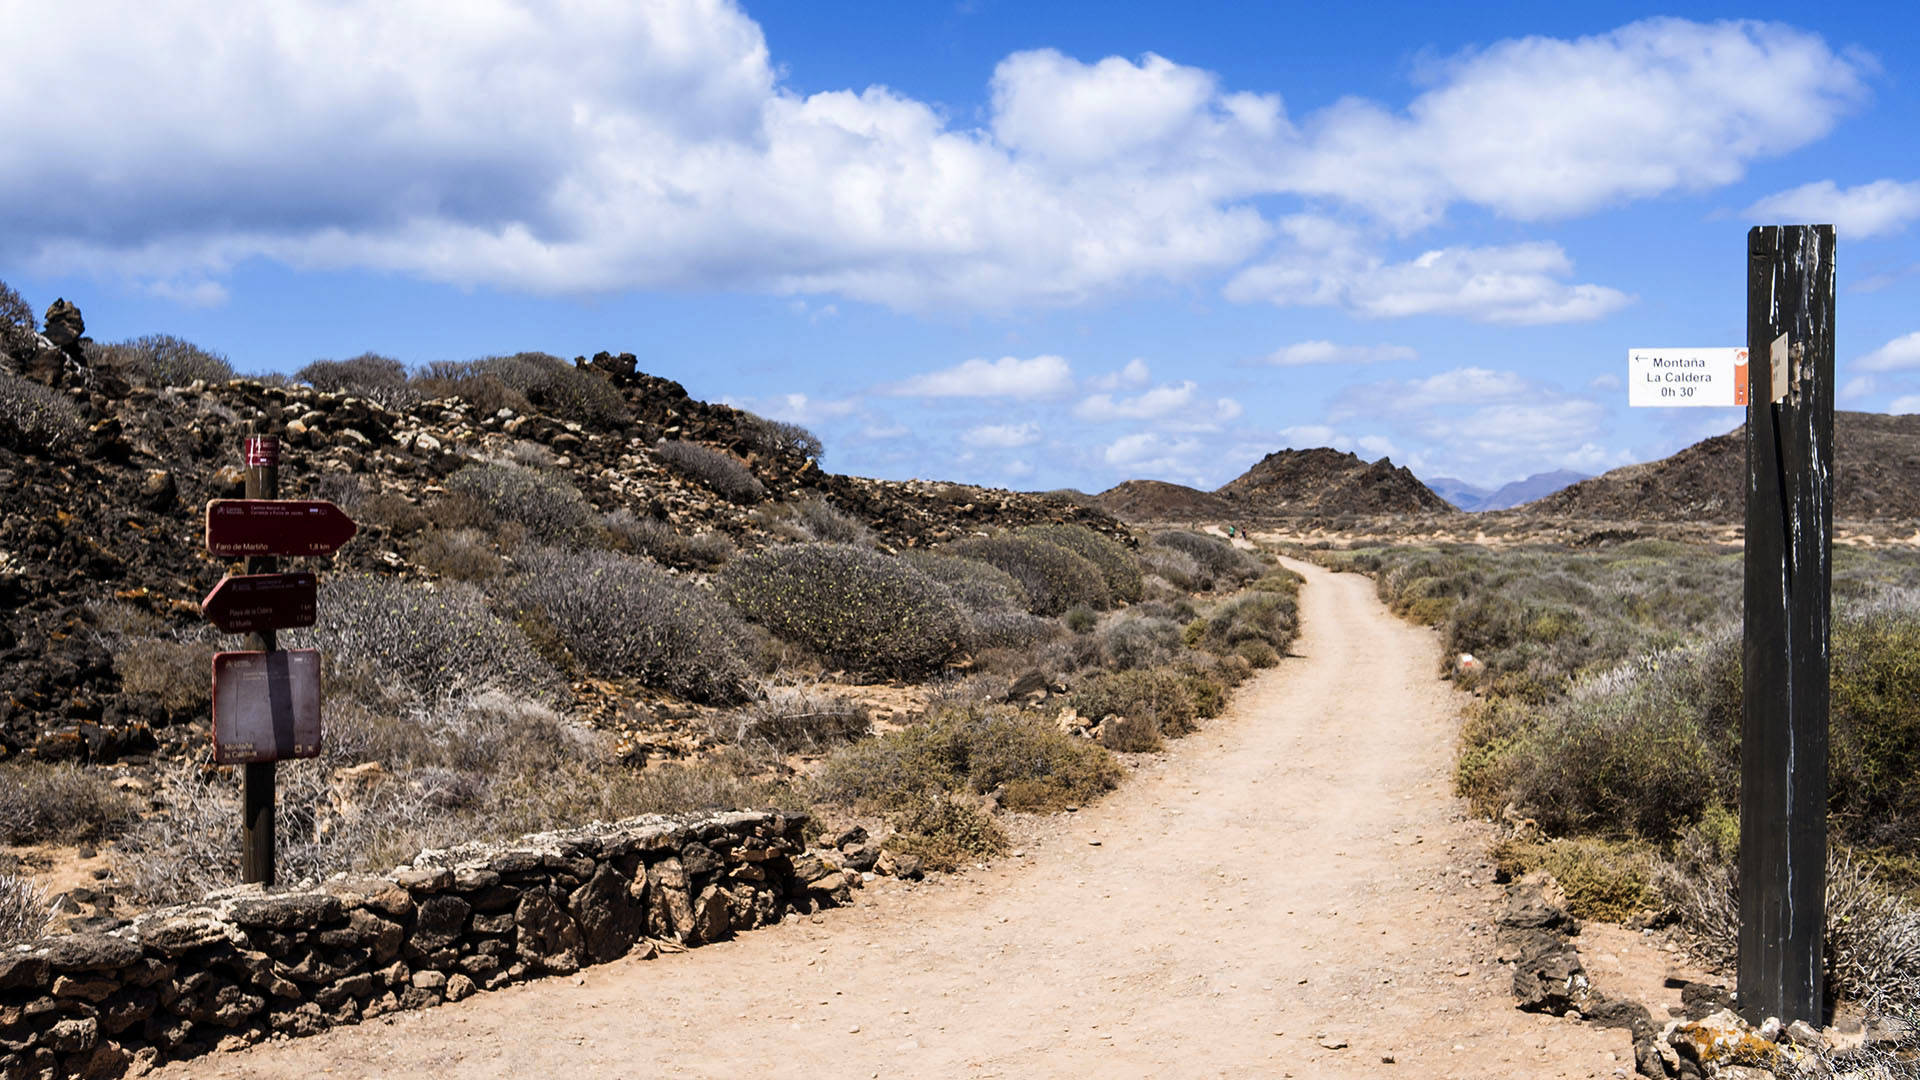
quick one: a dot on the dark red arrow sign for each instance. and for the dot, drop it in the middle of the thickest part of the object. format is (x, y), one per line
(253, 602)
(276, 527)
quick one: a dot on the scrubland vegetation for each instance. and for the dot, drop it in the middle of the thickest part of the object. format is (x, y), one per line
(1607, 732)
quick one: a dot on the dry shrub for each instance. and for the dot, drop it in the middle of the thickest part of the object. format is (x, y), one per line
(827, 523)
(1008, 629)
(1219, 560)
(1137, 641)
(380, 379)
(1115, 563)
(18, 323)
(945, 833)
(1055, 579)
(34, 418)
(720, 471)
(779, 436)
(1267, 617)
(976, 585)
(1130, 734)
(856, 607)
(1603, 879)
(1259, 654)
(433, 638)
(164, 360)
(974, 748)
(460, 554)
(483, 392)
(660, 541)
(549, 507)
(46, 803)
(554, 386)
(1177, 568)
(24, 913)
(176, 674)
(623, 618)
(1157, 695)
(791, 720)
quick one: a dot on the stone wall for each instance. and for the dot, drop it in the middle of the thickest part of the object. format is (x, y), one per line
(247, 963)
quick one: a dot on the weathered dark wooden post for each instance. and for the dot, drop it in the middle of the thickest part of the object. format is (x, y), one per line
(1789, 572)
(256, 821)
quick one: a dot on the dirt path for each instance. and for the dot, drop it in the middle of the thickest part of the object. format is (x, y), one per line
(1291, 892)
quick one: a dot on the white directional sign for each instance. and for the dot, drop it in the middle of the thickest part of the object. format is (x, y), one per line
(1667, 377)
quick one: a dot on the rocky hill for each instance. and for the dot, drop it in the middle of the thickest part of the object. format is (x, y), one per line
(1323, 482)
(1876, 478)
(1157, 500)
(106, 463)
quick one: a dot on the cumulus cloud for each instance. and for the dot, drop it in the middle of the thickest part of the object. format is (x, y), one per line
(1173, 407)
(1009, 376)
(1151, 454)
(1134, 374)
(1884, 206)
(602, 146)
(1897, 355)
(1482, 422)
(1513, 284)
(1001, 436)
(1908, 404)
(1304, 353)
(801, 408)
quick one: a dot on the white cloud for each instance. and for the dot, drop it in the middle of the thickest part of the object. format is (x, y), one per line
(1001, 436)
(1303, 353)
(1609, 381)
(1306, 436)
(1009, 376)
(1884, 206)
(1513, 284)
(601, 146)
(1151, 405)
(1017, 468)
(1908, 404)
(1896, 355)
(1481, 422)
(1135, 374)
(884, 432)
(1151, 454)
(1376, 446)
(1857, 389)
(801, 408)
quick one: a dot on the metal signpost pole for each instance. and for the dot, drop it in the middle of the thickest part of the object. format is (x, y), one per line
(1789, 571)
(256, 823)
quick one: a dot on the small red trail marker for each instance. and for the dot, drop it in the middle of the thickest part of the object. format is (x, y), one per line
(247, 603)
(266, 706)
(237, 527)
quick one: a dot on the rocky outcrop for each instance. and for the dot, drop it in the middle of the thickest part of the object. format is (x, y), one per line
(248, 963)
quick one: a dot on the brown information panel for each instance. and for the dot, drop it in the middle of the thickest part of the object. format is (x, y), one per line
(238, 527)
(266, 705)
(247, 603)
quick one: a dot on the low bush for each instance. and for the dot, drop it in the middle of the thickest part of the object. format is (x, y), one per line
(1159, 695)
(1270, 618)
(976, 585)
(377, 378)
(623, 618)
(1177, 568)
(827, 523)
(660, 541)
(1007, 629)
(973, 748)
(795, 721)
(1875, 721)
(169, 671)
(483, 392)
(1219, 559)
(24, 913)
(47, 803)
(779, 436)
(434, 638)
(34, 418)
(552, 385)
(1131, 734)
(720, 471)
(1054, 578)
(1115, 563)
(1603, 879)
(1081, 619)
(18, 323)
(459, 554)
(1258, 654)
(945, 833)
(855, 607)
(550, 508)
(1138, 641)
(164, 360)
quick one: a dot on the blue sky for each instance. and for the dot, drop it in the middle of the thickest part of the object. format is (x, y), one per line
(1029, 246)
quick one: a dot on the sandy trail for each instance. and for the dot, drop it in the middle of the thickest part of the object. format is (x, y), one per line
(1295, 877)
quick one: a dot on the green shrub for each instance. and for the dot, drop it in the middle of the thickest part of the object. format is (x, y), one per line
(33, 417)
(1115, 563)
(1875, 722)
(1081, 619)
(47, 803)
(975, 585)
(975, 748)
(623, 618)
(554, 386)
(1225, 563)
(1603, 879)
(944, 833)
(1055, 579)
(377, 378)
(660, 541)
(1269, 618)
(855, 607)
(1159, 695)
(725, 474)
(434, 638)
(1259, 654)
(164, 360)
(550, 508)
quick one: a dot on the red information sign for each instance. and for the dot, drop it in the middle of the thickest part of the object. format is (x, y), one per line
(262, 451)
(276, 527)
(266, 706)
(244, 603)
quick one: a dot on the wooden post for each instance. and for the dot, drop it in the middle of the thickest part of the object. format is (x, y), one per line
(256, 821)
(1789, 572)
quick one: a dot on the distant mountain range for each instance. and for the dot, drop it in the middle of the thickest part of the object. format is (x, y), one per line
(1320, 482)
(1472, 497)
